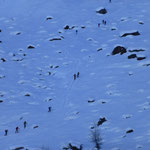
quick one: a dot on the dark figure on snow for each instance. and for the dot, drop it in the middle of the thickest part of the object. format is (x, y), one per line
(74, 147)
(6, 132)
(109, 1)
(78, 74)
(75, 76)
(25, 124)
(99, 24)
(76, 31)
(49, 109)
(104, 22)
(17, 130)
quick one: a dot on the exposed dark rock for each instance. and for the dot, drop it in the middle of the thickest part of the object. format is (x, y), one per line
(18, 33)
(2, 76)
(119, 50)
(99, 49)
(112, 29)
(83, 27)
(101, 121)
(102, 11)
(0, 41)
(18, 148)
(130, 131)
(141, 58)
(66, 27)
(132, 33)
(27, 94)
(49, 18)
(91, 101)
(31, 47)
(136, 50)
(1, 101)
(141, 22)
(70, 146)
(3, 59)
(0, 30)
(35, 127)
(146, 65)
(132, 56)
(55, 39)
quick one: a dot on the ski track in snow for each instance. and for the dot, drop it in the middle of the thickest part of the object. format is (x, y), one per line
(38, 59)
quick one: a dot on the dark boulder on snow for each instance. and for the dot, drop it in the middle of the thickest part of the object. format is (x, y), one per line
(3, 59)
(130, 131)
(132, 33)
(141, 58)
(55, 39)
(91, 101)
(132, 56)
(101, 11)
(35, 127)
(101, 121)
(0, 41)
(0, 30)
(1, 101)
(31, 47)
(66, 27)
(136, 50)
(49, 18)
(119, 50)
(18, 148)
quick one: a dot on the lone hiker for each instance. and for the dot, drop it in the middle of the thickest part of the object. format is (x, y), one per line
(75, 76)
(49, 109)
(25, 124)
(17, 130)
(99, 24)
(6, 132)
(78, 74)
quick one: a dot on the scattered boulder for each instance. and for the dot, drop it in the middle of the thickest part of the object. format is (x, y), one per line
(27, 94)
(3, 59)
(132, 56)
(49, 18)
(31, 47)
(132, 33)
(0, 41)
(102, 11)
(101, 121)
(35, 127)
(1, 101)
(130, 131)
(140, 22)
(136, 50)
(99, 49)
(91, 101)
(18, 148)
(55, 39)
(119, 50)
(0, 30)
(66, 27)
(141, 58)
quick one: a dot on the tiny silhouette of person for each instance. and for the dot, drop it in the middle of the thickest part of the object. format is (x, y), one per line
(25, 124)
(49, 109)
(78, 74)
(75, 76)
(17, 130)
(76, 31)
(6, 132)
(99, 24)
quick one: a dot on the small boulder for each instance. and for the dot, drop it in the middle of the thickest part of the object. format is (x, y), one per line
(101, 121)
(119, 50)
(102, 11)
(141, 58)
(132, 33)
(132, 56)
(31, 47)
(130, 131)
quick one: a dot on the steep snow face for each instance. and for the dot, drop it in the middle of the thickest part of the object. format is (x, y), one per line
(38, 61)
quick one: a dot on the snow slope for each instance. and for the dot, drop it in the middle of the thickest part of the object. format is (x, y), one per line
(31, 80)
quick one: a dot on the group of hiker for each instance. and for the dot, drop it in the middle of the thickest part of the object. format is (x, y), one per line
(76, 75)
(17, 129)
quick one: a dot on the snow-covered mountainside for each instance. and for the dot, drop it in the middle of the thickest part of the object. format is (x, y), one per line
(43, 46)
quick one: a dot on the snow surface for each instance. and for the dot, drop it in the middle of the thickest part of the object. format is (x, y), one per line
(31, 80)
